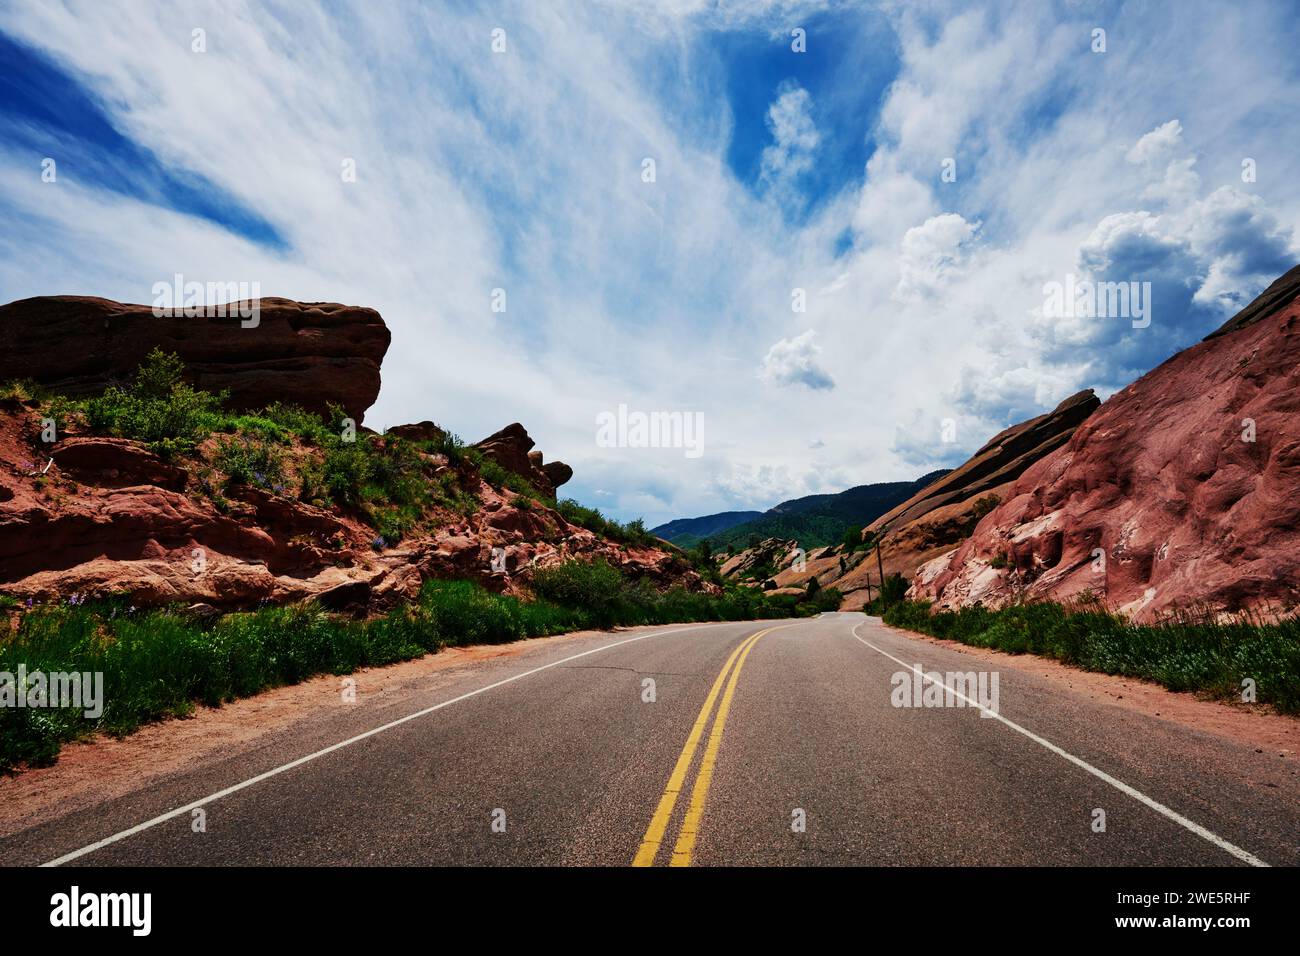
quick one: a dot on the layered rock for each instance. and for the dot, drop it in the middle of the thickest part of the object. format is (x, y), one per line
(312, 354)
(99, 516)
(946, 511)
(771, 553)
(1180, 493)
(512, 448)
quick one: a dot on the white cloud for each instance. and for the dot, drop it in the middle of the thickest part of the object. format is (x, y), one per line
(794, 135)
(931, 253)
(796, 361)
(523, 171)
(1157, 145)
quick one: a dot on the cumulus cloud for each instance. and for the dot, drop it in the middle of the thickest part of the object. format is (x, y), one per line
(931, 252)
(794, 138)
(796, 361)
(1157, 145)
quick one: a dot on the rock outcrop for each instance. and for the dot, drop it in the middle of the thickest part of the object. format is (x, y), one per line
(512, 448)
(309, 353)
(1181, 493)
(101, 516)
(945, 512)
(764, 560)
(93, 516)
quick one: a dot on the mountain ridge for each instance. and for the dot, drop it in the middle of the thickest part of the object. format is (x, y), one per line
(812, 520)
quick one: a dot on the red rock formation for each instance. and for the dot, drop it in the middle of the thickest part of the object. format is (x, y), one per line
(108, 516)
(946, 511)
(511, 448)
(308, 353)
(1161, 501)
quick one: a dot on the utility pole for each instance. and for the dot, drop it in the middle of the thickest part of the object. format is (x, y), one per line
(880, 566)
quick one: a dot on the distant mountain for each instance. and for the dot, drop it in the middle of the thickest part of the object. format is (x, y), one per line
(813, 520)
(695, 529)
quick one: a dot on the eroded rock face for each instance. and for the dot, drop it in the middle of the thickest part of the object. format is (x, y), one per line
(108, 516)
(309, 353)
(775, 553)
(512, 448)
(946, 511)
(1182, 492)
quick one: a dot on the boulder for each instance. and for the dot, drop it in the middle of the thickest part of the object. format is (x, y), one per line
(420, 431)
(512, 448)
(307, 353)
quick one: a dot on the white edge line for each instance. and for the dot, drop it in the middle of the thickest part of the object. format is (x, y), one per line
(1119, 785)
(212, 798)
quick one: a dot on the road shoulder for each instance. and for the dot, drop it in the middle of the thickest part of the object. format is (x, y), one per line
(1253, 725)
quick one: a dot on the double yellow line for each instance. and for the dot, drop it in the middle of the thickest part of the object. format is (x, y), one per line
(654, 834)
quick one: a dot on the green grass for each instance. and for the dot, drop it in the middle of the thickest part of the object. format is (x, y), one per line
(1183, 654)
(633, 533)
(162, 662)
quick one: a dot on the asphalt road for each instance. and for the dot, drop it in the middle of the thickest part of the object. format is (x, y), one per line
(782, 750)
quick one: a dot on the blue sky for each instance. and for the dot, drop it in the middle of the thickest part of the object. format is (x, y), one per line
(778, 175)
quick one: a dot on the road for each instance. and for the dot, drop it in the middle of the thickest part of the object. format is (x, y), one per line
(780, 749)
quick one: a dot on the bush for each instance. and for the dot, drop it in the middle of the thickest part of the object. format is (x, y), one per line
(633, 533)
(345, 471)
(159, 408)
(248, 460)
(595, 586)
(465, 613)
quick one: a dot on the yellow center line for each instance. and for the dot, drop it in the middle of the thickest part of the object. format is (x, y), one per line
(700, 792)
(654, 834)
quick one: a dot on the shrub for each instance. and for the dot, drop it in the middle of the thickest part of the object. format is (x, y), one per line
(159, 408)
(594, 586)
(465, 613)
(248, 460)
(345, 471)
